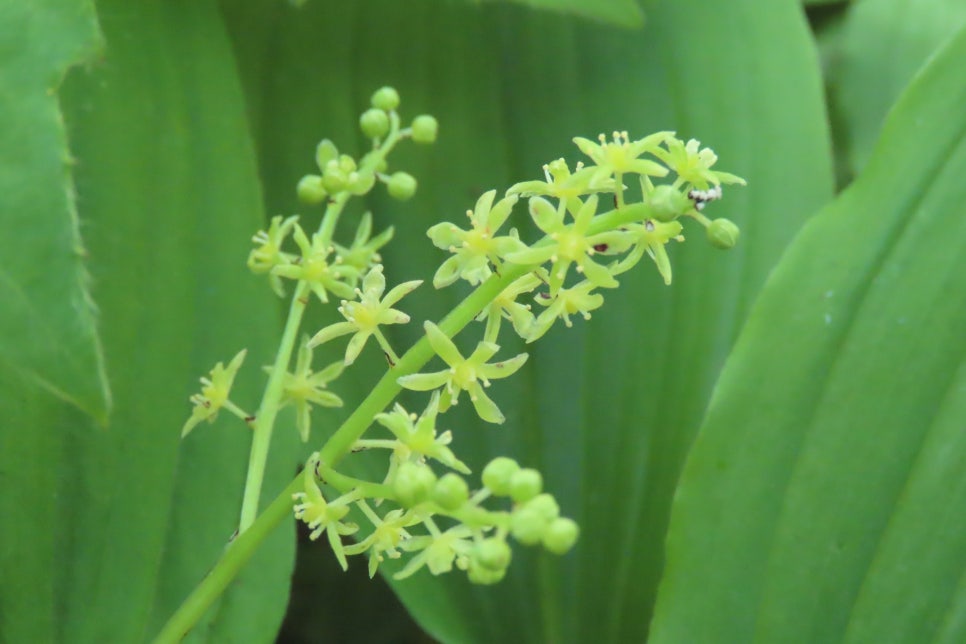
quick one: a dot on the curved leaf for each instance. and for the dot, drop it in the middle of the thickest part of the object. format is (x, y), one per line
(880, 46)
(623, 13)
(823, 498)
(47, 323)
(168, 187)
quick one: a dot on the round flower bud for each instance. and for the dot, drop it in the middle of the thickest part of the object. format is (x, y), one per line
(723, 233)
(402, 186)
(484, 576)
(425, 128)
(311, 190)
(346, 163)
(413, 483)
(525, 484)
(385, 98)
(451, 491)
(493, 553)
(544, 505)
(497, 475)
(667, 203)
(325, 151)
(334, 179)
(561, 535)
(361, 182)
(374, 123)
(527, 526)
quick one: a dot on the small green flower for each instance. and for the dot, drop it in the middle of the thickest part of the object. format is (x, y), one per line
(269, 253)
(568, 301)
(464, 374)
(505, 305)
(388, 532)
(214, 394)
(438, 552)
(561, 184)
(651, 236)
(622, 156)
(324, 516)
(693, 164)
(313, 268)
(474, 249)
(363, 253)
(571, 245)
(304, 388)
(418, 436)
(363, 317)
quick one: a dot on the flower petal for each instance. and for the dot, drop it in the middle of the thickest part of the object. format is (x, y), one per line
(424, 381)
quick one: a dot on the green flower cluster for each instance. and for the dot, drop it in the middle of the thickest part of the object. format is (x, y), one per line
(437, 519)
(583, 251)
(319, 265)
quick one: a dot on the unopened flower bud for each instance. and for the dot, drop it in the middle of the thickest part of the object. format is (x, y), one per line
(493, 553)
(424, 129)
(667, 203)
(402, 186)
(497, 475)
(451, 491)
(385, 98)
(311, 190)
(374, 123)
(561, 535)
(413, 483)
(723, 233)
(525, 484)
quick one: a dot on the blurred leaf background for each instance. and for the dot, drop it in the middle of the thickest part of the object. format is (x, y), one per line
(819, 502)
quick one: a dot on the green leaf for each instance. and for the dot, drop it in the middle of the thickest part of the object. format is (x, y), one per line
(169, 192)
(880, 45)
(622, 13)
(823, 499)
(607, 410)
(47, 321)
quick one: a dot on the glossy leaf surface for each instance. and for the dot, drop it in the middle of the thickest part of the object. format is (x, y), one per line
(822, 502)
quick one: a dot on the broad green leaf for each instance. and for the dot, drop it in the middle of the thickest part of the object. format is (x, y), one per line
(606, 410)
(823, 498)
(169, 194)
(624, 13)
(879, 46)
(47, 321)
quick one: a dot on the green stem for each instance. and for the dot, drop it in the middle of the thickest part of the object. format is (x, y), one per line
(265, 418)
(238, 552)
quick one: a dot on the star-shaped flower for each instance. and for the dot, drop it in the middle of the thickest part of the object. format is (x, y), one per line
(571, 245)
(464, 374)
(363, 253)
(388, 532)
(214, 394)
(505, 305)
(439, 551)
(269, 253)
(363, 317)
(651, 236)
(324, 516)
(417, 436)
(304, 388)
(622, 156)
(568, 301)
(314, 269)
(474, 249)
(566, 186)
(693, 164)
